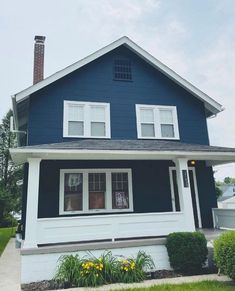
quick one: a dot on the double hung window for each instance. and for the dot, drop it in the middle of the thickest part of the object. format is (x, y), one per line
(86, 119)
(157, 122)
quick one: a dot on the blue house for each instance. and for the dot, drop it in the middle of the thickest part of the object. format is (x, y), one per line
(116, 156)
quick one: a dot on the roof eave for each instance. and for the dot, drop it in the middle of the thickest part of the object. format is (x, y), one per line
(20, 156)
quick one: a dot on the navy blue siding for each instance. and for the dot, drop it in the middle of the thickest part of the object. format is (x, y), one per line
(94, 82)
(151, 187)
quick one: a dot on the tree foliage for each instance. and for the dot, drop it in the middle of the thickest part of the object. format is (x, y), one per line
(10, 193)
(218, 191)
(229, 180)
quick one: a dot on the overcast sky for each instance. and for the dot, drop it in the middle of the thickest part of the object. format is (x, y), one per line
(194, 38)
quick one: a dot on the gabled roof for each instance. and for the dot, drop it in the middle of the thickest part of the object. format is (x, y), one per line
(210, 104)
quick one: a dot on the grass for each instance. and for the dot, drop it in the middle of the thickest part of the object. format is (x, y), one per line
(199, 286)
(5, 235)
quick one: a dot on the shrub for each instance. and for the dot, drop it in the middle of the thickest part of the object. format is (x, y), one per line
(187, 251)
(68, 271)
(133, 270)
(91, 271)
(110, 270)
(224, 253)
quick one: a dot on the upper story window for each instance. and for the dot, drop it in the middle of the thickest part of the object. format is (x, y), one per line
(86, 119)
(122, 70)
(157, 122)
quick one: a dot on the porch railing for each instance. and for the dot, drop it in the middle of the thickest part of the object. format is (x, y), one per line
(109, 227)
(223, 218)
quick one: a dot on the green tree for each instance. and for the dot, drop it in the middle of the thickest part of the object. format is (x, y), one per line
(10, 193)
(227, 180)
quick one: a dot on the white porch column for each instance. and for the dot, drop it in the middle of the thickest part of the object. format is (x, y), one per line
(32, 203)
(184, 190)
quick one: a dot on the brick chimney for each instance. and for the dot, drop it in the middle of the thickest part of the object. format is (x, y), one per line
(38, 69)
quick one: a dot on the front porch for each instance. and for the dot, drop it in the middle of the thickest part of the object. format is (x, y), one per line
(160, 195)
(156, 207)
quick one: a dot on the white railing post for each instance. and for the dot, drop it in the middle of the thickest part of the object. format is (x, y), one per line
(32, 203)
(184, 190)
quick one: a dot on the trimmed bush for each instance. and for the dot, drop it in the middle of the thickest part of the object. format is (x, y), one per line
(224, 253)
(187, 251)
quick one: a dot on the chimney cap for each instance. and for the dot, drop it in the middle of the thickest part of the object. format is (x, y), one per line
(39, 38)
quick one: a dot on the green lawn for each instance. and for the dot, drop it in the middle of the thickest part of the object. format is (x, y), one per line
(200, 286)
(5, 235)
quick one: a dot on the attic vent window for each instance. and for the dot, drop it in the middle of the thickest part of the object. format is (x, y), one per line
(122, 70)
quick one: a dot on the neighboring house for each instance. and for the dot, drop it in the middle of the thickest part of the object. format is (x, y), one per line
(228, 190)
(228, 196)
(226, 202)
(116, 156)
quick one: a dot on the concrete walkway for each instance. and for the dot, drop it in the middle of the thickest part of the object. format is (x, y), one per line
(150, 283)
(10, 268)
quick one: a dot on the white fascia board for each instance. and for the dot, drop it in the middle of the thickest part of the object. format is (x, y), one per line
(210, 103)
(15, 117)
(22, 155)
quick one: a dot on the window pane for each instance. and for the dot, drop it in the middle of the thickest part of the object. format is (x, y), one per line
(76, 128)
(98, 113)
(75, 112)
(167, 130)
(73, 191)
(146, 115)
(120, 195)
(97, 188)
(97, 129)
(166, 116)
(147, 130)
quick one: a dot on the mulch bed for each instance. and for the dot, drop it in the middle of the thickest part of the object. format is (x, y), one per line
(161, 274)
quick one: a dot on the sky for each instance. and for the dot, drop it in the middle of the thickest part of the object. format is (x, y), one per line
(194, 38)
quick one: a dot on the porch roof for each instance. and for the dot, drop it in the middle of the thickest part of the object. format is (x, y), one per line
(124, 149)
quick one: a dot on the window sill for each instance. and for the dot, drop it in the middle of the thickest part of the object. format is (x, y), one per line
(108, 211)
(90, 137)
(160, 138)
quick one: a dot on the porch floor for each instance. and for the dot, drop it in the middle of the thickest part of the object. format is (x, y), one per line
(211, 233)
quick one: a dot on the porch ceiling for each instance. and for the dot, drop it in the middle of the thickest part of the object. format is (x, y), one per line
(125, 150)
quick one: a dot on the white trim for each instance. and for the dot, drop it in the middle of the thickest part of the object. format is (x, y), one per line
(172, 189)
(20, 155)
(157, 122)
(184, 190)
(210, 103)
(108, 198)
(196, 192)
(87, 119)
(32, 203)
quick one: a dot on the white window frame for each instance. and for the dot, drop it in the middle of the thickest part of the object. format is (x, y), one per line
(85, 191)
(157, 124)
(87, 119)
